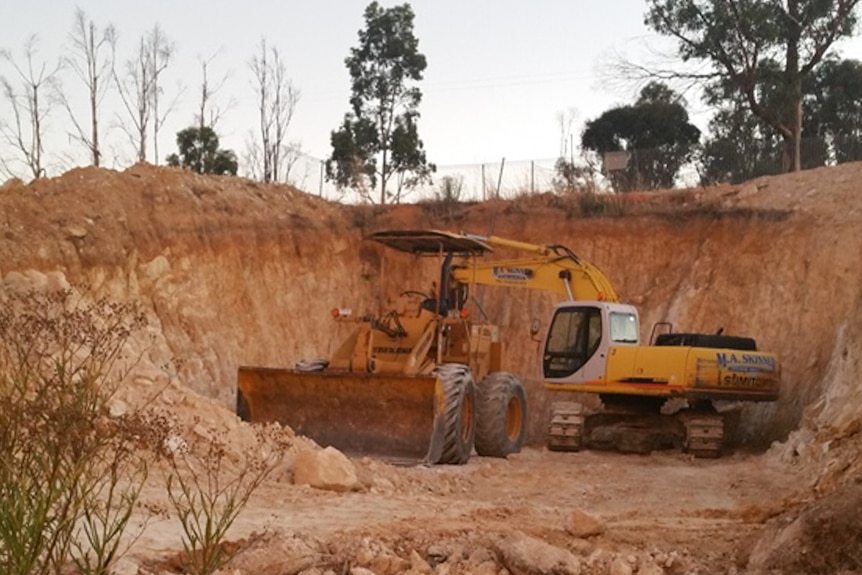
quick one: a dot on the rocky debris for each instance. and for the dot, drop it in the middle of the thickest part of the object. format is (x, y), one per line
(418, 564)
(649, 568)
(821, 537)
(125, 567)
(325, 469)
(531, 556)
(582, 524)
(276, 552)
(620, 566)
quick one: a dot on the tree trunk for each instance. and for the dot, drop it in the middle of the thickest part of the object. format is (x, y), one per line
(793, 105)
(383, 176)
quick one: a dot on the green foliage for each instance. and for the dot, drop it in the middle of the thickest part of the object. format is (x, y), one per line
(743, 146)
(68, 476)
(378, 138)
(449, 189)
(655, 131)
(199, 151)
(833, 106)
(740, 148)
(571, 177)
(757, 53)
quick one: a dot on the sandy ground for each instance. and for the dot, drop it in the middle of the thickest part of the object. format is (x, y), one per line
(667, 510)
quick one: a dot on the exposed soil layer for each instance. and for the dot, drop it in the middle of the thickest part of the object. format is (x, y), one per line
(231, 272)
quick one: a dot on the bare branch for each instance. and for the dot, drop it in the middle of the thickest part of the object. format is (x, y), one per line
(90, 62)
(277, 101)
(208, 113)
(30, 107)
(161, 53)
(135, 89)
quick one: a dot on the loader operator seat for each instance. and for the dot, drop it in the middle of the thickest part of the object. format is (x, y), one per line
(442, 292)
(431, 305)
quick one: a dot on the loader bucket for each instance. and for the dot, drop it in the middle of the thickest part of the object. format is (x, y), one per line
(394, 417)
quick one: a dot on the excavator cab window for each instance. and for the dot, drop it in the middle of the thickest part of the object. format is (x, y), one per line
(624, 327)
(574, 336)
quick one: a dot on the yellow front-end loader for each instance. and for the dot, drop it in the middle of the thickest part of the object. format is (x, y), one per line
(421, 381)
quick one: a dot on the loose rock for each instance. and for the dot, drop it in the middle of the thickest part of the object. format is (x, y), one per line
(325, 469)
(582, 524)
(530, 556)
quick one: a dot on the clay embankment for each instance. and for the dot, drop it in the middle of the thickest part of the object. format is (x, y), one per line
(234, 272)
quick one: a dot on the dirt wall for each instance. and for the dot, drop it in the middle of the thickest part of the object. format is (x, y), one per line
(233, 272)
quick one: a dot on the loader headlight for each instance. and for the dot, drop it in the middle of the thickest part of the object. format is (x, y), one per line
(343, 312)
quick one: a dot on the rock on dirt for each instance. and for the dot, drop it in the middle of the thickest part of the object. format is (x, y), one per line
(277, 552)
(582, 524)
(325, 469)
(531, 556)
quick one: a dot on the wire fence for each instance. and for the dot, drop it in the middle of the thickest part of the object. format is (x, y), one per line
(627, 171)
(467, 182)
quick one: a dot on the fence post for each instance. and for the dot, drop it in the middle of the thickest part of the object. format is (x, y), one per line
(320, 185)
(483, 183)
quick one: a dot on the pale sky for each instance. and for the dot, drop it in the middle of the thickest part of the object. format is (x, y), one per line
(499, 71)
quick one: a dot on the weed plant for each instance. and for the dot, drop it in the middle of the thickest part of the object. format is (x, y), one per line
(69, 477)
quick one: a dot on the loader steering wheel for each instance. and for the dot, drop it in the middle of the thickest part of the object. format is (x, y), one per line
(414, 292)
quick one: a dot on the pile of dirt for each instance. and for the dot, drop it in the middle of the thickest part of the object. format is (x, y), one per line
(231, 272)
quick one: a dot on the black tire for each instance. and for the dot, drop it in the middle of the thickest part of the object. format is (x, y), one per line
(501, 415)
(242, 409)
(460, 396)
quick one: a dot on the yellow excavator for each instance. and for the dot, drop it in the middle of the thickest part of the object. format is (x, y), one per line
(422, 380)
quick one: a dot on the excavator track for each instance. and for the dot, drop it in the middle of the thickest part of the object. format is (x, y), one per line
(566, 430)
(704, 435)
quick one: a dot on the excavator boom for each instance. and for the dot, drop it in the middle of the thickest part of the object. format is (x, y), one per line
(552, 268)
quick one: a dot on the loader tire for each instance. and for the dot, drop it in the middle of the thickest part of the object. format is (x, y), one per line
(460, 396)
(501, 415)
(242, 409)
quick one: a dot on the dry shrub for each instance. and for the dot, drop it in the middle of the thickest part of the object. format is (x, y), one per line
(69, 474)
(208, 487)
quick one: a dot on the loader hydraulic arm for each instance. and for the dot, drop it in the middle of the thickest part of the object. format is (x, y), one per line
(552, 268)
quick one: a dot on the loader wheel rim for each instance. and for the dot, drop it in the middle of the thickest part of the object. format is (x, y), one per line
(467, 418)
(514, 418)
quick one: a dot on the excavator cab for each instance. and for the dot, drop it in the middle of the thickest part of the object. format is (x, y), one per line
(582, 335)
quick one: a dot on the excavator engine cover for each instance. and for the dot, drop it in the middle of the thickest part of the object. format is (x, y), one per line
(393, 417)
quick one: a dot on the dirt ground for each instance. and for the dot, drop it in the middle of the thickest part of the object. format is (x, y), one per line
(664, 513)
(537, 511)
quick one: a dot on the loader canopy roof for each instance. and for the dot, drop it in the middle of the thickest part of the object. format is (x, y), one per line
(430, 242)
